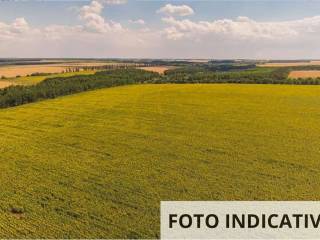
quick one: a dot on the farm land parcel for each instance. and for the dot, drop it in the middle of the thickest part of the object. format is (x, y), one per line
(290, 63)
(31, 80)
(108, 107)
(11, 71)
(159, 69)
(4, 84)
(97, 164)
(304, 74)
(29, 74)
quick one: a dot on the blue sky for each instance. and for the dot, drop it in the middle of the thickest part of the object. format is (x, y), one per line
(60, 12)
(49, 12)
(275, 29)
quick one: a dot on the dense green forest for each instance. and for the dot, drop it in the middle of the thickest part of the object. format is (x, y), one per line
(197, 73)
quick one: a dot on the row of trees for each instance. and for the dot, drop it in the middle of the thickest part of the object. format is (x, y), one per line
(201, 75)
(113, 66)
(54, 87)
(60, 86)
(247, 74)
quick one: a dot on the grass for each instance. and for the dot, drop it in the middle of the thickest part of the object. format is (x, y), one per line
(97, 164)
(30, 80)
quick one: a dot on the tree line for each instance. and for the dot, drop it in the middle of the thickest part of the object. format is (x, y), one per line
(60, 86)
(246, 75)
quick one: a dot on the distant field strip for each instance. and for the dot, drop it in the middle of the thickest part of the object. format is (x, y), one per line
(304, 74)
(4, 84)
(24, 70)
(36, 79)
(13, 71)
(289, 64)
(97, 164)
(160, 69)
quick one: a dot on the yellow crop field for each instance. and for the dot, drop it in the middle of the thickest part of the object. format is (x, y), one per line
(97, 164)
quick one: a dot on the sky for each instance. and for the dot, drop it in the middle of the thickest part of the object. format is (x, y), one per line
(220, 29)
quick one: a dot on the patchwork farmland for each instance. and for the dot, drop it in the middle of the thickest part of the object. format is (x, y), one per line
(88, 163)
(31, 80)
(33, 72)
(108, 108)
(11, 71)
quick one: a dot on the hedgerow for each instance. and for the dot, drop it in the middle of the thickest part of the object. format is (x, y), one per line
(55, 87)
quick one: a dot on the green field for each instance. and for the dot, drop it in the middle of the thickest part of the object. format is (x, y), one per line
(97, 164)
(30, 80)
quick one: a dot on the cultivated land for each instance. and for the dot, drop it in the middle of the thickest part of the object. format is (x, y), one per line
(158, 69)
(290, 64)
(30, 80)
(24, 70)
(304, 74)
(12, 71)
(97, 164)
(4, 84)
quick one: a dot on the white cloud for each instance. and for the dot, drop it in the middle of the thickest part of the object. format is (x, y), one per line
(243, 28)
(114, 2)
(176, 10)
(181, 38)
(94, 22)
(19, 25)
(60, 32)
(138, 21)
(15, 29)
(94, 7)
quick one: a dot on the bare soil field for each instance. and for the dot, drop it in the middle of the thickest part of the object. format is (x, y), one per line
(4, 84)
(160, 69)
(304, 74)
(289, 64)
(24, 70)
